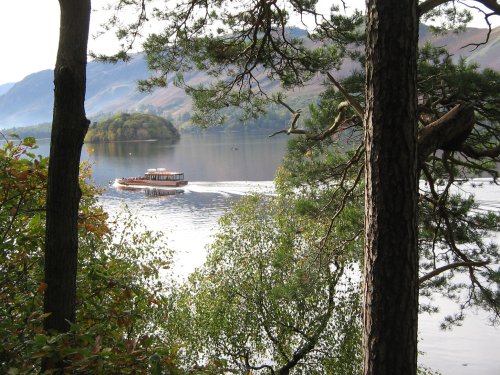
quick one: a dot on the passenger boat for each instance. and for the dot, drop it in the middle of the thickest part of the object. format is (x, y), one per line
(155, 177)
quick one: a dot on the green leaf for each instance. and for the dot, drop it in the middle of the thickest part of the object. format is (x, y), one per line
(40, 340)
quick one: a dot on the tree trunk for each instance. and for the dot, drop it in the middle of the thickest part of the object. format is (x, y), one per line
(391, 257)
(69, 127)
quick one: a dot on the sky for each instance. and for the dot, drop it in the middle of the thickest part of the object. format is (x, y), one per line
(29, 32)
(28, 29)
(29, 35)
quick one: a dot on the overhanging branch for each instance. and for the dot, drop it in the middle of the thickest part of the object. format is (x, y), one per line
(446, 133)
(429, 5)
(339, 124)
(447, 267)
(478, 154)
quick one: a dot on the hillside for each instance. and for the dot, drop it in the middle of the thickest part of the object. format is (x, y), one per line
(112, 88)
(131, 127)
(5, 87)
(36, 131)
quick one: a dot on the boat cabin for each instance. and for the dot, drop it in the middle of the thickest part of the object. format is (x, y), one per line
(161, 174)
(155, 177)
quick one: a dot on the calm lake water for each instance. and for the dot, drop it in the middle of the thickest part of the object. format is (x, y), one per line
(221, 167)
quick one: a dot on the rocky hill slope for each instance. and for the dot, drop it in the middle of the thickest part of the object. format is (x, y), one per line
(113, 88)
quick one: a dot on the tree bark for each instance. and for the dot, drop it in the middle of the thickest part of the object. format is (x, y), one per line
(391, 256)
(69, 127)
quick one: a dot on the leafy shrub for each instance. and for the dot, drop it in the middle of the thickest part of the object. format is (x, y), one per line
(122, 295)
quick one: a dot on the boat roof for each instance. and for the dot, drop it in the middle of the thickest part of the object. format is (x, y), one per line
(162, 172)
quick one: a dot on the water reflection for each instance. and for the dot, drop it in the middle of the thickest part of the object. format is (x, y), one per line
(125, 150)
(150, 192)
(202, 157)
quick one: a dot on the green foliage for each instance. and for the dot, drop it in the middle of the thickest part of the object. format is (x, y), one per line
(22, 190)
(122, 292)
(276, 291)
(447, 17)
(442, 80)
(132, 127)
(248, 52)
(268, 290)
(270, 296)
(453, 228)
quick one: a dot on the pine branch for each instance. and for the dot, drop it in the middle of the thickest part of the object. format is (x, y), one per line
(450, 266)
(478, 154)
(429, 5)
(446, 133)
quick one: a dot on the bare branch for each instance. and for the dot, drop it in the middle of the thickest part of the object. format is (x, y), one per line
(492, 5)
(345, 199)
(450, 266)
(338, 124)
(352, 101)
(280, 101)
(488, 23)
(278, 132)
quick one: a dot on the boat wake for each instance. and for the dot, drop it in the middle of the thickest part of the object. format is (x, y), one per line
(225, 188)
(229, 188)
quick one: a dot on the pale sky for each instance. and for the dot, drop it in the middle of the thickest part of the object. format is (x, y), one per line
(29, 32)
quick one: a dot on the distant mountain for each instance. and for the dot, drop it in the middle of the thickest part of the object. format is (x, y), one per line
(5, 87)
(112, 88)
(463, 44)
(28, 101)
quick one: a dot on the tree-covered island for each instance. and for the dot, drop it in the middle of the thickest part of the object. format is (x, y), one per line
(131, 127)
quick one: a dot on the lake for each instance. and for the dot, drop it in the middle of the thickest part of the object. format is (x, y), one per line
(221, 167)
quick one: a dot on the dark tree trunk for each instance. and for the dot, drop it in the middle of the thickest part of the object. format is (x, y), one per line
(69, 127)
(391, 258)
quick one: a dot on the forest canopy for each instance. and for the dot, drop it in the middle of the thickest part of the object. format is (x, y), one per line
(132, 127)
